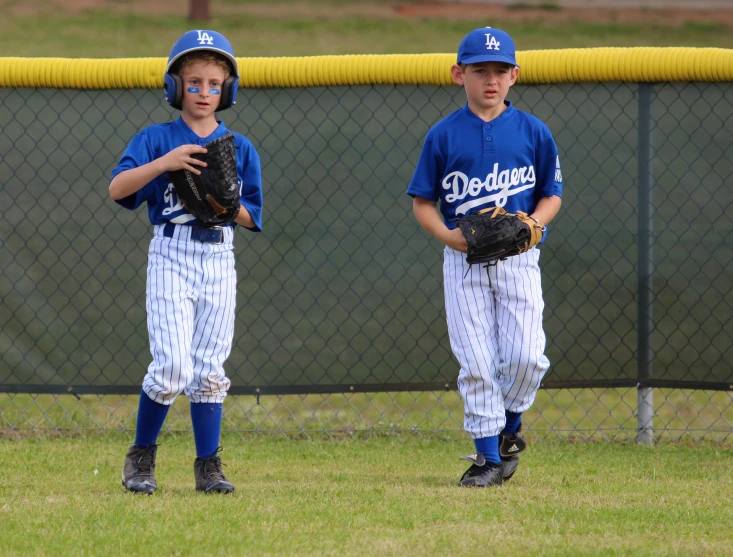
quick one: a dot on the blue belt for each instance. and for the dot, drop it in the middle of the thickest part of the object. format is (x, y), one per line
(213, 235)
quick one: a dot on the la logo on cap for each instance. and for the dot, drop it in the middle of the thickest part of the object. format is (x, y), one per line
(491, 42)
(205, 38)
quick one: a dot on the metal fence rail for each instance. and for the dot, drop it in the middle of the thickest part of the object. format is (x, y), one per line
(340, 323)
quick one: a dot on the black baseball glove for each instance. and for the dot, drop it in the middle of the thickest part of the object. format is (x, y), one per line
(493, 235)
(213, 196)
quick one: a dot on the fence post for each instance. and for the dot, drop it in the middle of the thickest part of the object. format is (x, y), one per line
(645, 348)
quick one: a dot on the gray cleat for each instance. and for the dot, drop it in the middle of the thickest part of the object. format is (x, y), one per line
(209, 475)
(481, 473)
(138, 474)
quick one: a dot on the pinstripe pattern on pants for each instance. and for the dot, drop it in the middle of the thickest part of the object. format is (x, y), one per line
(190, 302)
(495, 328)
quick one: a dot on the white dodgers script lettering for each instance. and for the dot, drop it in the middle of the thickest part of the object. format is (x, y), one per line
(500, 185)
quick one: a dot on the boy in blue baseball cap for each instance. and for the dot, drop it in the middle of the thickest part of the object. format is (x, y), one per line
(485, 155)
(191, 281)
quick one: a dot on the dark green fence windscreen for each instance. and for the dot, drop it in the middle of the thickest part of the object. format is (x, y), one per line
(343, 290)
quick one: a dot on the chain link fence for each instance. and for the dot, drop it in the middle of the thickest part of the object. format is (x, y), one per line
(340, 321)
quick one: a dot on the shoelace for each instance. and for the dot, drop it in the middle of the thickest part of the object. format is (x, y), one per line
(213, 467)
(479, 470)
(145, 463)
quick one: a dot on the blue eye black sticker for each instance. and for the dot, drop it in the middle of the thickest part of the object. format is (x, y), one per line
(193, 89)
(214, 92)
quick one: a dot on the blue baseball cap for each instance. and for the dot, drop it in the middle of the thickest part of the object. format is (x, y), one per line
(486, 45)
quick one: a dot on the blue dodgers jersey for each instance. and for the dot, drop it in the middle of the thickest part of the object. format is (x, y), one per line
(163, 204)
(469, 165)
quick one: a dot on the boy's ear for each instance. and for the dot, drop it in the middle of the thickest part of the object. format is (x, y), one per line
(457, 73)
(515, 74)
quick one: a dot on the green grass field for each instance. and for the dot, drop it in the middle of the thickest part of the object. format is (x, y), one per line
(377, 497)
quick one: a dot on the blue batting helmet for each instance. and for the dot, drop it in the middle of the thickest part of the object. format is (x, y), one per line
(193, 41)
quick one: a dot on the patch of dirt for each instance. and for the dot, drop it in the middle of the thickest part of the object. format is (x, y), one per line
(479, 12)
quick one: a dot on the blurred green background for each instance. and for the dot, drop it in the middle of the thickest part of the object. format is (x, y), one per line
(131, 28)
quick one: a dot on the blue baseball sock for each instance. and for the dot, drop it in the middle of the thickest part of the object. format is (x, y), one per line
(150, 418)
(513, 421)
(206, 418)
(489, 447)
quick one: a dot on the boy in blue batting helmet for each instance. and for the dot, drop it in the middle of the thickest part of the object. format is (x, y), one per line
(191, 281)
(490, 154)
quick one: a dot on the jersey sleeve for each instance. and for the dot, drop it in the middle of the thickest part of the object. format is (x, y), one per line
(549, 175)
(426, 179)
(138, 153)
(251, 189)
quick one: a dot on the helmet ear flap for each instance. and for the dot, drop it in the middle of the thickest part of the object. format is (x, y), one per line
(228, 92)
(173, 87)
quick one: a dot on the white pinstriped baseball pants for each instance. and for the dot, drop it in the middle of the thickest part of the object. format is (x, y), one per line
(190, 300)
(495, 328)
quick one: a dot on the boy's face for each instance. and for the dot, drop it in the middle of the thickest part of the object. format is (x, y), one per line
(486, 83)
(202, 82)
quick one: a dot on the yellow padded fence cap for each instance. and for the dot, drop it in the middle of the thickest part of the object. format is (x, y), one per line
(640, 64)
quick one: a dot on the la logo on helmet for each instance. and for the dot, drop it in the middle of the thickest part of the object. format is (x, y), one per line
(205, 38)
(491, 42)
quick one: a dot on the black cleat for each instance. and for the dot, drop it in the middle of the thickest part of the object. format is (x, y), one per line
(209, 475)
(138, 472)
(481, 473)
(510, 445)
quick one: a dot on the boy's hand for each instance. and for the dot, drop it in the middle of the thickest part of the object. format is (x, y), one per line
(455, 239)
(181, 158)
